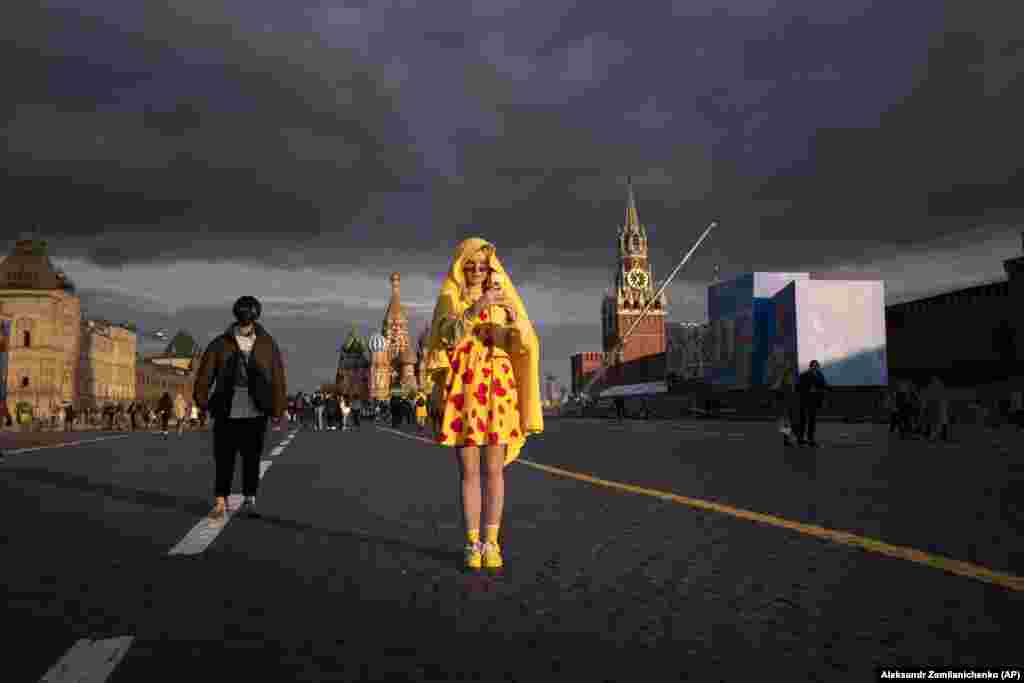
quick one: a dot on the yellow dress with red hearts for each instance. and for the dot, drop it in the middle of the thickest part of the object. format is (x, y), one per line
(481, 406)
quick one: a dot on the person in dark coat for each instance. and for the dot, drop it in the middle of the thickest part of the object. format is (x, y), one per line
(396, 411)
(811, 390)
(165, 407)
(245, 370)
(332, 411)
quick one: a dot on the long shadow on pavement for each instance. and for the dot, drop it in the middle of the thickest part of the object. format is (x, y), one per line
(200, 507)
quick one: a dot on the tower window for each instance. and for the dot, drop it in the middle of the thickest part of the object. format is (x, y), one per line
(27, 339)
(24, 380)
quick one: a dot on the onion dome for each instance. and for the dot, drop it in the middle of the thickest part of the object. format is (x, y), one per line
(353, 345)
(377, 343)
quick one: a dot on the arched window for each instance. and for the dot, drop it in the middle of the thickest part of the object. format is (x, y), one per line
(27, 339)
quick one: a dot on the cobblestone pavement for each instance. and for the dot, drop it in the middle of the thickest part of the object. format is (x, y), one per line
(352, 569)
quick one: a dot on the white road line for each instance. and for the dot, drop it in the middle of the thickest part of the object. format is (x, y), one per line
(206, 530)
(18, 451)
(407, 436)
(277, 451)
(89, 661)
(202, 534)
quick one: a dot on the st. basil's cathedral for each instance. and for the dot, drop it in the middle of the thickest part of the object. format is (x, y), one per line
(385, 363)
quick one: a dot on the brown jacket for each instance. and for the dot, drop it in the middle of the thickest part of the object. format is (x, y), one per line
(267, 382)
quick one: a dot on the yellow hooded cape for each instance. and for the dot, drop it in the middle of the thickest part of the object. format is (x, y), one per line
(452, 302)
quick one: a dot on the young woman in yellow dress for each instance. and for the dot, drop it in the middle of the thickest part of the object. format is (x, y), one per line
(484, 358)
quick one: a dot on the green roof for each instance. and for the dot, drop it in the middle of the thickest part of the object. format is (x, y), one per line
(353, 344)
(182, 346)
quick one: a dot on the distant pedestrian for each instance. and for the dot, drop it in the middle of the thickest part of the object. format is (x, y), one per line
(166, 407)
(620, 408)
(899, 411)
(937, 411)
(396, 411)
(811, 389)
(245, 370)
(69, 418)
(421, 410)
(1017, 408)
(785, 398)
(180, 413)
(332, 412)
(357, 408)
(320, 412)
(345, 413)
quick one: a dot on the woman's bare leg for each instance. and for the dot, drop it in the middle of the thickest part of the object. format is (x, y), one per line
(494, 469)
(469, 471)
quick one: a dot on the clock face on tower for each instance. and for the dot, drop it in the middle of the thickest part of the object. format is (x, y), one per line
(637, 279)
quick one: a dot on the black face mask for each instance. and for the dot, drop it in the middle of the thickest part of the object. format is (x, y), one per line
(245, 315)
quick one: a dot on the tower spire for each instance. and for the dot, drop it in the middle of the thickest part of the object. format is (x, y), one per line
(631, 215)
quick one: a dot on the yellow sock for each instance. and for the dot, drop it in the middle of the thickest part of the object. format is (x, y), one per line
(491, 533)
(474, 535)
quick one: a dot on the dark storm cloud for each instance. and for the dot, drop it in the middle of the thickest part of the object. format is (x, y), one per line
(237, 142)
(333, 135)
(942, 159)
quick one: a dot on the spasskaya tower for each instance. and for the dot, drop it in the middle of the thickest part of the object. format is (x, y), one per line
(632, 288)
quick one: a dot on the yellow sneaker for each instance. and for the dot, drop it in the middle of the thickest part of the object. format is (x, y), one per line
(492, 556)
(473, 557)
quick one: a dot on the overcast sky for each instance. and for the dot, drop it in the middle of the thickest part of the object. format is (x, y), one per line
(180, 153)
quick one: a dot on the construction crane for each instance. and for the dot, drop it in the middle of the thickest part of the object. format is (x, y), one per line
(611, 356)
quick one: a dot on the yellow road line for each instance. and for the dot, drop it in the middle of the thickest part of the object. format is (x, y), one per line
(958, 567)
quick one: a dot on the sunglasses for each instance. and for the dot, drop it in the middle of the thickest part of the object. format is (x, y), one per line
(479, 267)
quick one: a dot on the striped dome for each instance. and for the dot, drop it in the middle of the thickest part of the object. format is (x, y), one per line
(377, 343)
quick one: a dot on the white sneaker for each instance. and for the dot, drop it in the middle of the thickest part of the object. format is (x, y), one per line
(248, 508)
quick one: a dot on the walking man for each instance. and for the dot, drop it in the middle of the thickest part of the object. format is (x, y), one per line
(246, 371)
(811, 388)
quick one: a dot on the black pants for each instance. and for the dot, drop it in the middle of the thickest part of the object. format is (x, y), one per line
(900, 420)
(808, 421)
(231, 437)
(163, 421)
(396, 419)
